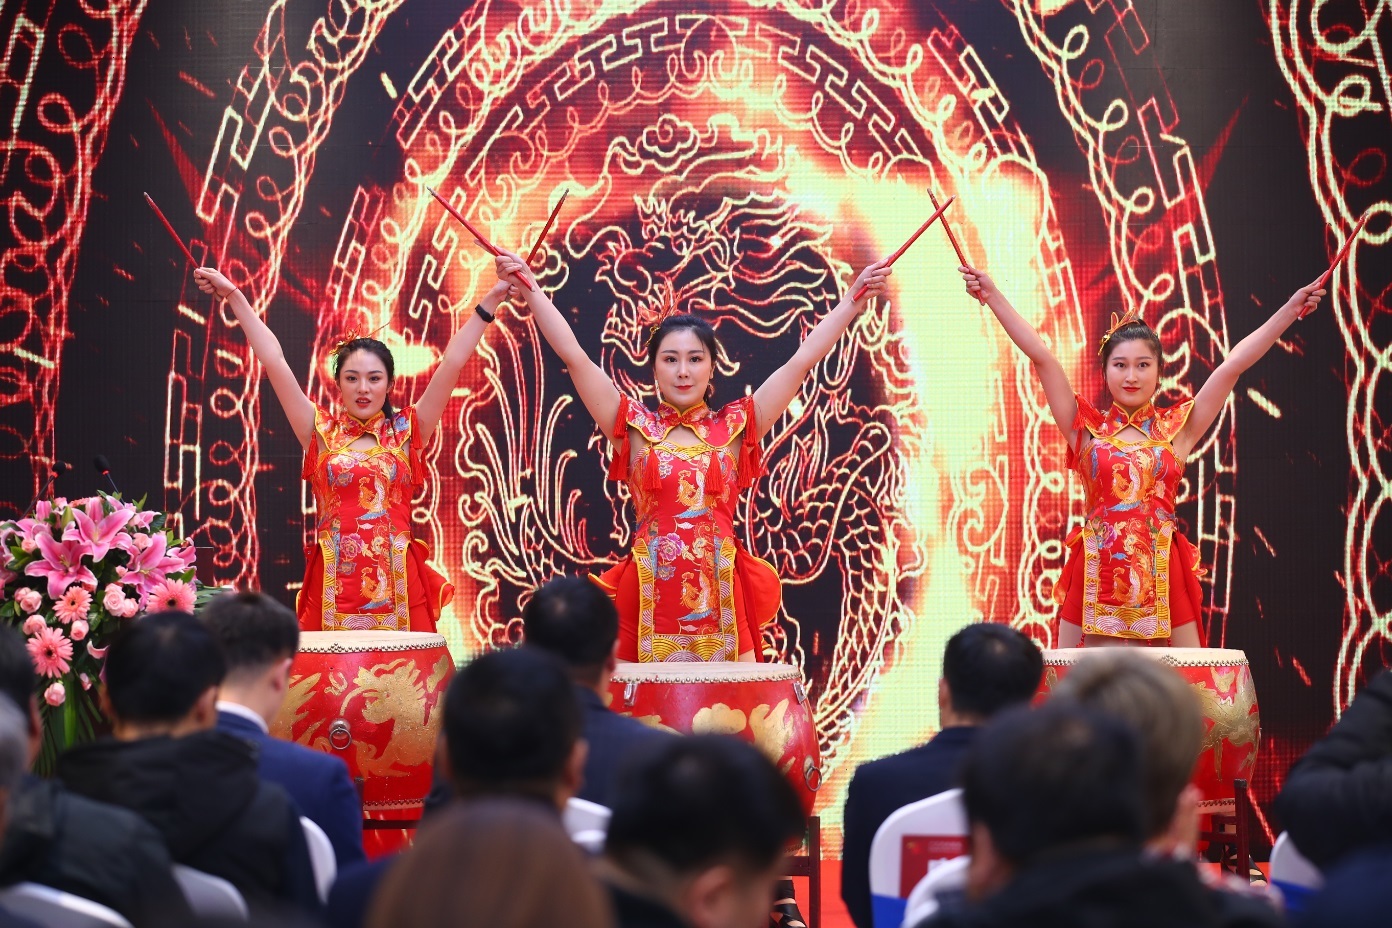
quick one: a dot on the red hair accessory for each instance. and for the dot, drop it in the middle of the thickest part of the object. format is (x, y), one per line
(1130, 316)
(353, 335)
(652, 318)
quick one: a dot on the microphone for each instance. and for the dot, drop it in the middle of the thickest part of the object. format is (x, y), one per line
(59, 468)
(103, 467)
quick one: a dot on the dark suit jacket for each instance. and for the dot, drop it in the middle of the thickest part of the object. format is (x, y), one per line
(881, 787)
(611, 738)
(318, 783)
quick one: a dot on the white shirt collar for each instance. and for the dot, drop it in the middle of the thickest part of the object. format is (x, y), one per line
(241, 711)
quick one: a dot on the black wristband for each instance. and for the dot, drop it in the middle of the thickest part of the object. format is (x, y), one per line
(484, 314)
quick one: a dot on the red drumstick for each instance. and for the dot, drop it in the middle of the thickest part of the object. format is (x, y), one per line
(547, 228)
(1338, 259)
(912, 238)
(961, 258)
(478, 236)
(170, 229)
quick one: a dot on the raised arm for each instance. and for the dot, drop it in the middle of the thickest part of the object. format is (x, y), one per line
(1057, 390)
(431, 405)
(596, 389)
(775, 393)
(298, 408)
(1214, 393)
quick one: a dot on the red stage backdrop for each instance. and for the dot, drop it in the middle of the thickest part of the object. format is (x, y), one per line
(1193, 160)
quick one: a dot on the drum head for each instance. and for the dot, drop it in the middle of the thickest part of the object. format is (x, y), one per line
(703, 672)
(1175, 657)
(359, 642)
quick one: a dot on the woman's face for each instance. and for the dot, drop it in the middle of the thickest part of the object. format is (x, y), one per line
(364, 383)
(683, 369)
(1133, 373)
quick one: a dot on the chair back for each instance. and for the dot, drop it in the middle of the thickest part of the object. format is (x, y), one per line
(587, 823)
(321, 857)
(1293, 874)
(943, 876)
(210, 896)
(902, 849)
(54, 908)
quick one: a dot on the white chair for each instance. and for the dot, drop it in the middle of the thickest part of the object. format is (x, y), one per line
(321, 857)
(587, 823)
(209, 895)
(1293, 874)
(936, 828)
(943, 876)
(54, 908)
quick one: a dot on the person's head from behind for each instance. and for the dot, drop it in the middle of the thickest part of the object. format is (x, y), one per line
(259, 638)
(1131, 364)
(682, 354)
(14, 753)
(987, 667)
(162, 677)
(572, 618)
(492, 863)
(512, 727)
(1041, 781)
(1165, 712)
(703, 823)
(17, 680)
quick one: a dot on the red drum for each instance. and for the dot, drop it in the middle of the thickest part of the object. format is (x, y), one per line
(1232, 722)
(764, 704)
(373, 698)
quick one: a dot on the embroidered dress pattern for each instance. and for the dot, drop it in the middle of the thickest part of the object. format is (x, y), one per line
(1128, 543)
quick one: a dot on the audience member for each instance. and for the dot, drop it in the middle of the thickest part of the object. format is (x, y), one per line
(511, 728)
(60, 839)
(492, 863)
(1356, 893)
(259, 638)
(698, 836)
(987, 667)
(1165, 712)
(196, 785)
(1053, 800)
(1337, 799)
(14, 757)
(574, 619)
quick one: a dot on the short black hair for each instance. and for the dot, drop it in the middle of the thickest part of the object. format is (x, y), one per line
(1049, 777)
(989, 666)
(159, 665)
(574, 619)
(17, 676)
(511, 722)
(253, 630)
(694, 801)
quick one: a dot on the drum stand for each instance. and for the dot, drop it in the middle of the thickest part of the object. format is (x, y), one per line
(1239, 839)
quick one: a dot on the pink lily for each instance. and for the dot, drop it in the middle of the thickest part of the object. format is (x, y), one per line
(62, 564)
(142, 519)
(144, 567)
(95, 529)
(29, 532)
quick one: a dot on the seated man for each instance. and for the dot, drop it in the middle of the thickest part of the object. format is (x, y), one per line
(59, 839)
(259, 638)
(575, 620)
(987, 667)
(198, 786)
(1053, 800)
(14, 757)
(700, 829)
(1337, 799)
(511, 728)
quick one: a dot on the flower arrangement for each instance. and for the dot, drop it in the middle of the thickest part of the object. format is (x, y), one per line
(70, 575)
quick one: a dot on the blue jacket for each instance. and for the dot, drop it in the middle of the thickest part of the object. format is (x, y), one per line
(611, 738)
(318, 783)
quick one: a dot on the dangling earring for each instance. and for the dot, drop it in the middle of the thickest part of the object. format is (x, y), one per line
(710, 391)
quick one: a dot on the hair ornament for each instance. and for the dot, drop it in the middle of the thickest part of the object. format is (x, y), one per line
(1130, 316)
(353, 335)
(653, 317)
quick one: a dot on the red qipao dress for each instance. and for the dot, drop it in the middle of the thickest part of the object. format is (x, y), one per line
(365, 570)
(689, 591)
(1130, 573)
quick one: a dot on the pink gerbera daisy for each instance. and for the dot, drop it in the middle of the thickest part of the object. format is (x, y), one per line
(50, 650)
(74, 604)
(170, 596)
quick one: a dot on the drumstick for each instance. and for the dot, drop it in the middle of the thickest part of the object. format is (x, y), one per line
(170, 229)
(547, 228)
(478, 236)
(961, 258)
(912, 238)
(1338, 259)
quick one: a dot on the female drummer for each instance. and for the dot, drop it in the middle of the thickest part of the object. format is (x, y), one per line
(1131, 577)
(362, 460)
(688, 590)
